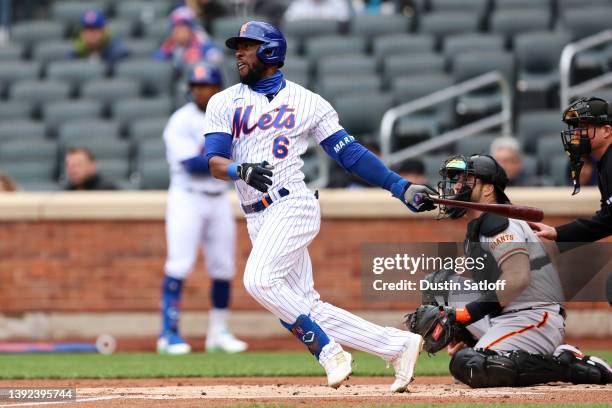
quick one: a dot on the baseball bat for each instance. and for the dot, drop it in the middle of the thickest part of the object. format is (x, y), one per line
(520, 212)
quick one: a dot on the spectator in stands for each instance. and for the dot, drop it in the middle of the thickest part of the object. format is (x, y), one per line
(318, 9)
(413, 170)
(7, 184)
(507, 151)
(207, 11)
(82, 171)
(588, 175)
(187, 42)
(95, 41)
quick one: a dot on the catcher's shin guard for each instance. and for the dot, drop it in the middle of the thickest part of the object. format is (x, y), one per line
(484, 368)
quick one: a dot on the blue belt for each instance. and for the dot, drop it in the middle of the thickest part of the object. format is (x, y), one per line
(264, 203)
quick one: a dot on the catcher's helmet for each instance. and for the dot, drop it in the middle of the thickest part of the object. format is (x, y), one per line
(204, 74)
(273, 44)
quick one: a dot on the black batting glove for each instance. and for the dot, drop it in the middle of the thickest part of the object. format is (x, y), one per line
(415, 198)
(256, 175)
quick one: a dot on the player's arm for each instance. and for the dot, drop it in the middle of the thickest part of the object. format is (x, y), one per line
(355, 158)
(581, 230)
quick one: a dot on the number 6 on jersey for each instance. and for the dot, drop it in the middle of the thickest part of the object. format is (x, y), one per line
(280, 147)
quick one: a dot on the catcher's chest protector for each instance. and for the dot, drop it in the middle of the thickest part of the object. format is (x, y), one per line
(488, 225)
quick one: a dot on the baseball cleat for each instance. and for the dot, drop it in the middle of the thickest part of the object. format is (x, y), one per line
(225, 343)
(405, 363)
(172, 344)
(338, 368)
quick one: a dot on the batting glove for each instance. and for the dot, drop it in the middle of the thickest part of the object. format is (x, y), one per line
(256, 175)
(415, 198)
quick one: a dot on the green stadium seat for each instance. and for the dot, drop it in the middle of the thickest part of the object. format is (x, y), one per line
(120, 27)
(558, 170)
(146, 129)
(225, 27)
(16, 110)
(568, 7)
(432, 164)
(476, 144)
(361, 117)
(532, 126)
(21, 130)
(396, 66)
(476, 7)
(39, 92)
(76, 72)
(373, 25)
(154, 175)
(547, 148)
(130, 109)
(293, 65)
(140, 48)
(307, 28)
(71, 12)
(300, 79)
(39, 186)
(334, 86)
(11, 52)
(397, 44)
(53, 50)
(357, 64)
(56, 114)
(108, 91)
(28, 150)
(156, 31)
(80, 130)
(230, 72)
(30, 33)
(103, 148)
(459, 44)
(334, 45)
(523, 4)
(13, 71)
(29, 172)
(114, 169)
(144, 11)
(513, 22)
(441, 24)
(156, 77)
(150, 149)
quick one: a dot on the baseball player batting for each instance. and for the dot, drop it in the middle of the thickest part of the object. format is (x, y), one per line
(198, 215)
(256, 132)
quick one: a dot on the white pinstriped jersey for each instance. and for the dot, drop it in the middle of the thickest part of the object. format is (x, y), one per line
(275, 131)
(183, 139)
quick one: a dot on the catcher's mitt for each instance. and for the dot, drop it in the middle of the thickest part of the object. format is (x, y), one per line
(436, 324)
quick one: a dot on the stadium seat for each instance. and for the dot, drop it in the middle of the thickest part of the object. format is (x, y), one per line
(36, 150)
(293, 65)
(428, 122)
(585, 22)
(432, 164)
(13, 71)
(373, 25)
(143, 11)
(129, 109)
(230, 72)
(475, 144)
(469, 65)
(57, 113)
(11, 52)
(361, 117)
(334, 45)
(76, 72)
(155, 31)
(334, 86)
(154, 175)
(532, 126)
(459, 44)
(357, 64)
(444, 23)
(538, 56)
(30, 33)
(71, 12)
(547, 148)
(21, 130)
(300, 79)
(294, 46)
(80, 130)
(113, 169)
(119, 27)
(396, 66)
(397, 44)
(225, 27)
(140, 48)
(15, 110)
(39, 92)
(512, 22)
(567, 7)
(29, 172)
(477, 7)
(558, 170)
(109, 91)
(146, 129)
(523, 4)
(155, 76)
(306, 28)
(39, 186)
(54, 50)
(150, 149)
(604, 93)
(103, 148)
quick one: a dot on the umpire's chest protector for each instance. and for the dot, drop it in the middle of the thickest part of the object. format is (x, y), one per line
(488, 225)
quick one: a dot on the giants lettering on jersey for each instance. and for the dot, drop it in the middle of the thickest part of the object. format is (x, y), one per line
(240, 123)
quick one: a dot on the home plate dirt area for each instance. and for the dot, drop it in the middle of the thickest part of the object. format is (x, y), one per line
(304, 391)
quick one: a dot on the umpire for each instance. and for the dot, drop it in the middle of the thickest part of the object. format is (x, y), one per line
(589, 132)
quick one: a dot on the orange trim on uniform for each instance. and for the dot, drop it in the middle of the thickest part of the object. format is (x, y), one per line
(265, 202)
(523, 330)
(511, 252)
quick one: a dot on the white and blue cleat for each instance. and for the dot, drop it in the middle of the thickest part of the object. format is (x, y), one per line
(172, 343)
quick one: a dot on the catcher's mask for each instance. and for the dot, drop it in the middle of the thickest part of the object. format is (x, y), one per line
(576, 139)
(459, 175)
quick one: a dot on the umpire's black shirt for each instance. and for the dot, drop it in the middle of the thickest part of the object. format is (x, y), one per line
(600, 225)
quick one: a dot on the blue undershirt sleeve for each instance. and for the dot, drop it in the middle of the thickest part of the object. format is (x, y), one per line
(197, 165)
(218, 144)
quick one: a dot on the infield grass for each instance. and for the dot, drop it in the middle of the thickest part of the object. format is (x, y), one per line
(150, 365)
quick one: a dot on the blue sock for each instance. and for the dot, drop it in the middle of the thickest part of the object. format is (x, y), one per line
(309, 333)
(220, 293)
(171, 299)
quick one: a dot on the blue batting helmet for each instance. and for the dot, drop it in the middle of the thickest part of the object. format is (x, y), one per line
(273, 44)
(204, 74)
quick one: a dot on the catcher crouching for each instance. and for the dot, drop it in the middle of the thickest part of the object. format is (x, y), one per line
(500, 338)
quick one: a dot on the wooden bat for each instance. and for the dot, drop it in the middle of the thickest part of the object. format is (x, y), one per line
(520, 212)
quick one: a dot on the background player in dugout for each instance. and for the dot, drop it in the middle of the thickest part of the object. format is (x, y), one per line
(255, 134)
(198, 215)
(514, 336)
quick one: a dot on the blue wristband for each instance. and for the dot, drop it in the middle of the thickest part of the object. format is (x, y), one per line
(232, 171)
